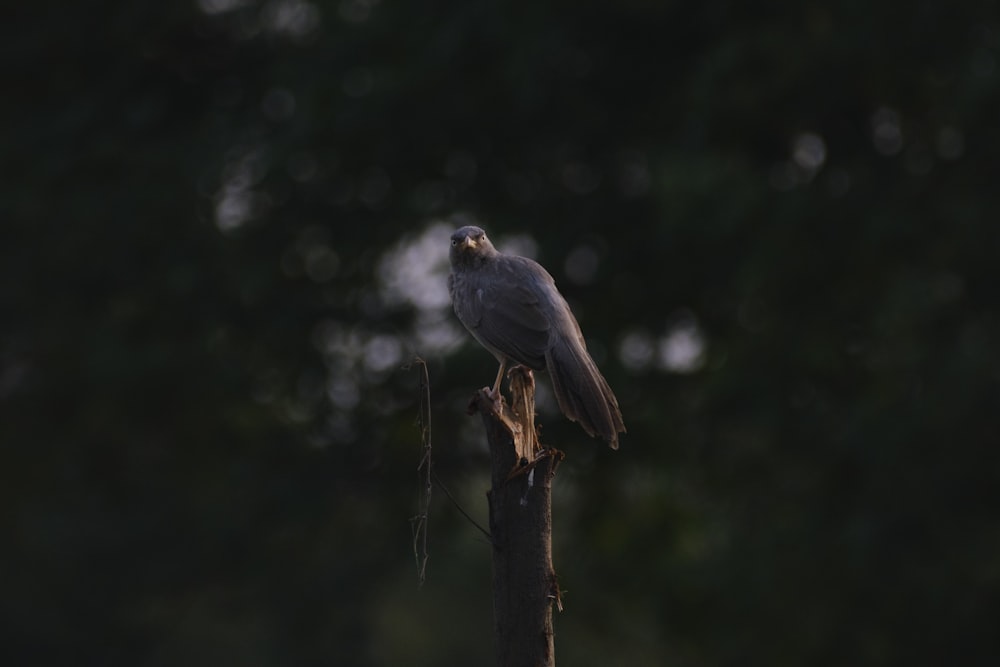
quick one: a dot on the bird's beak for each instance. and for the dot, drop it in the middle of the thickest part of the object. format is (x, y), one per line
(468, 242)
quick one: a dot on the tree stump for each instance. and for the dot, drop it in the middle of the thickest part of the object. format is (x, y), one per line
(520, 500)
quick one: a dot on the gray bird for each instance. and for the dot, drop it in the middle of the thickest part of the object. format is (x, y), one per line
(512, 307)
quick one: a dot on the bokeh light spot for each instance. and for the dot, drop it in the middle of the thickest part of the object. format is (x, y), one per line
(682, 349)
(887, 135)
(809, 151)
(636, 350)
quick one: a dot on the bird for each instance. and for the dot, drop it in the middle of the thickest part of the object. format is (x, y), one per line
(512, 307)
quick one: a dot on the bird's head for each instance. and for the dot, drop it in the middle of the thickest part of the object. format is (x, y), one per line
(469, 243)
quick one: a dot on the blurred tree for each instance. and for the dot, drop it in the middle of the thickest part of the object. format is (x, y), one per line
(777, 222)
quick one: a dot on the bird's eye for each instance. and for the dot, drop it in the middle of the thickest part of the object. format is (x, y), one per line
(454, 242)
(482, 237)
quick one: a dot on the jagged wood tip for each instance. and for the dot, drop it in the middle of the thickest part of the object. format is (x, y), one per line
(518, 417)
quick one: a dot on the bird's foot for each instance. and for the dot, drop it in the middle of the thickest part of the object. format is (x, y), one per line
(497, 397)
(486, 398)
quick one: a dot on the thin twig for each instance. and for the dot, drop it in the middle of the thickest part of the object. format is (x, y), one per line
(444, 488)
(428, 477)
(419, 523)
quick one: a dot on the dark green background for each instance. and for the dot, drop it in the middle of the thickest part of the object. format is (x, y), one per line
(209, 439)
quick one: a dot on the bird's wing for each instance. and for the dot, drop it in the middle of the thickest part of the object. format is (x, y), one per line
(511, 314)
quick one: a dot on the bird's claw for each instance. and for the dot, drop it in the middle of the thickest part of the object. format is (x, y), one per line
(496, 397)
(477, 402)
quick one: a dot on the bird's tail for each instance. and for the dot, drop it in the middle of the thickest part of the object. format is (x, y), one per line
(583, 394)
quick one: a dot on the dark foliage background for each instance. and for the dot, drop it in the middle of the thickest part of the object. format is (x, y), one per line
(223, 227)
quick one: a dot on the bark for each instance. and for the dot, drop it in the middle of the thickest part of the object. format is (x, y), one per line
(520, 500)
